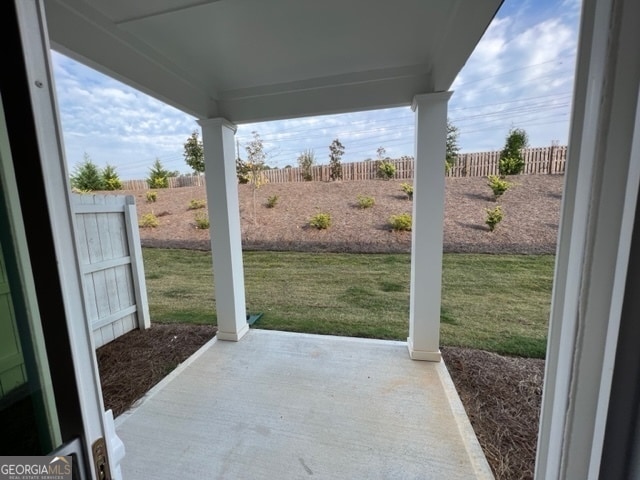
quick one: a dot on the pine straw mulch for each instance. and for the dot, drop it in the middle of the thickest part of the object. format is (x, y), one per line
(501, 395)
(133, 363)
(502, 398)
(530, 223)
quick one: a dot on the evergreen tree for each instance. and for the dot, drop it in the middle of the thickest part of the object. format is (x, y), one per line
(158, 176)
(110, 178)
(336, 150)
(511, 159)
(86, 176)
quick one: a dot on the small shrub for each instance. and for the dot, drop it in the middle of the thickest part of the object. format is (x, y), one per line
(151, 197)
(202, 221)
(386, 169)
(401, 223)
(494, 217)
(272, 201)
(365, 201)
(510, 166)
(110, 178)
(306, 161)
(158, 182)
(196, 204)
(149, 220)
(497, 185)
(408, 189)
(448, 165)
(321, 221)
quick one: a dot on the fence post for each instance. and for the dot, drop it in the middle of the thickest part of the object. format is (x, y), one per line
(137, 265)
(467, 165)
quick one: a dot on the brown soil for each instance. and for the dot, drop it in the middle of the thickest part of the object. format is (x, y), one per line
(501, 395)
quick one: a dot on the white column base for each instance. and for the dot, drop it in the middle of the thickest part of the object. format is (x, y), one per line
(233, 336)
(422, 354)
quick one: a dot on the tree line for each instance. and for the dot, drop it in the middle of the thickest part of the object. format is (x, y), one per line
(87, 176)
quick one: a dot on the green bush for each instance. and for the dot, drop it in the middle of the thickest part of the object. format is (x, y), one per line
(497, 185)
(306, 161)
(510, 165)
(272, 201)
(408, 189)
(87, 177)
(196, 204)
(321, 221)
(511, 160)
(158, 182)
(242, 171)
(386, 169)
(202, 221)
(149, 220)
(336, 150)
(494, 217)
(401, 223)
(365, 201)
(152, 197)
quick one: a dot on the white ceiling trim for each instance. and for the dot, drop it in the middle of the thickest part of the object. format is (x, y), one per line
(146, 69)
(191, 70)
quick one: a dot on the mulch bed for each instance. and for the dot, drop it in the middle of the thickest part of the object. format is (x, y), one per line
(530, 225)
(502, 397)
(133, 363)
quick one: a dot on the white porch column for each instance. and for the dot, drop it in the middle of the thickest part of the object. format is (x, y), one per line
(427, 230)
(224, 214)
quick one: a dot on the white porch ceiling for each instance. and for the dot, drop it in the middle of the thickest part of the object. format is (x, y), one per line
(253, 60)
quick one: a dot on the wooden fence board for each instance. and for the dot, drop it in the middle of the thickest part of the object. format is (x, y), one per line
(110, 256)
(538, 160)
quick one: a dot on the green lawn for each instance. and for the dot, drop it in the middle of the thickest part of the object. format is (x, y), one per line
(492, 302)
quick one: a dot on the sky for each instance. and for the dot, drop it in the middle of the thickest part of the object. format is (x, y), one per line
(520, 75)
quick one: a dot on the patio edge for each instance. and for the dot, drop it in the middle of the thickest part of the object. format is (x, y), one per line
(474, 450)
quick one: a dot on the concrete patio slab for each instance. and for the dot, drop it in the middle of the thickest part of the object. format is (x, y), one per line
(280, 405)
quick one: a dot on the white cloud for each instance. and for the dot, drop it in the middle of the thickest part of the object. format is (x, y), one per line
(115, 124)
(520, 74)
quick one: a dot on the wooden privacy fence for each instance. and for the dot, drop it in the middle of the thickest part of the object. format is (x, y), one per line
(174, 182)
(540, 160)
(110, 257)
(350, 171)
(544, 160)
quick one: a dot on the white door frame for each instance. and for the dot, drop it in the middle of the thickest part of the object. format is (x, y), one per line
(36, 52)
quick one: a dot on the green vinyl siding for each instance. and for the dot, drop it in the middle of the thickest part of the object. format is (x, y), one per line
(12, 369)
